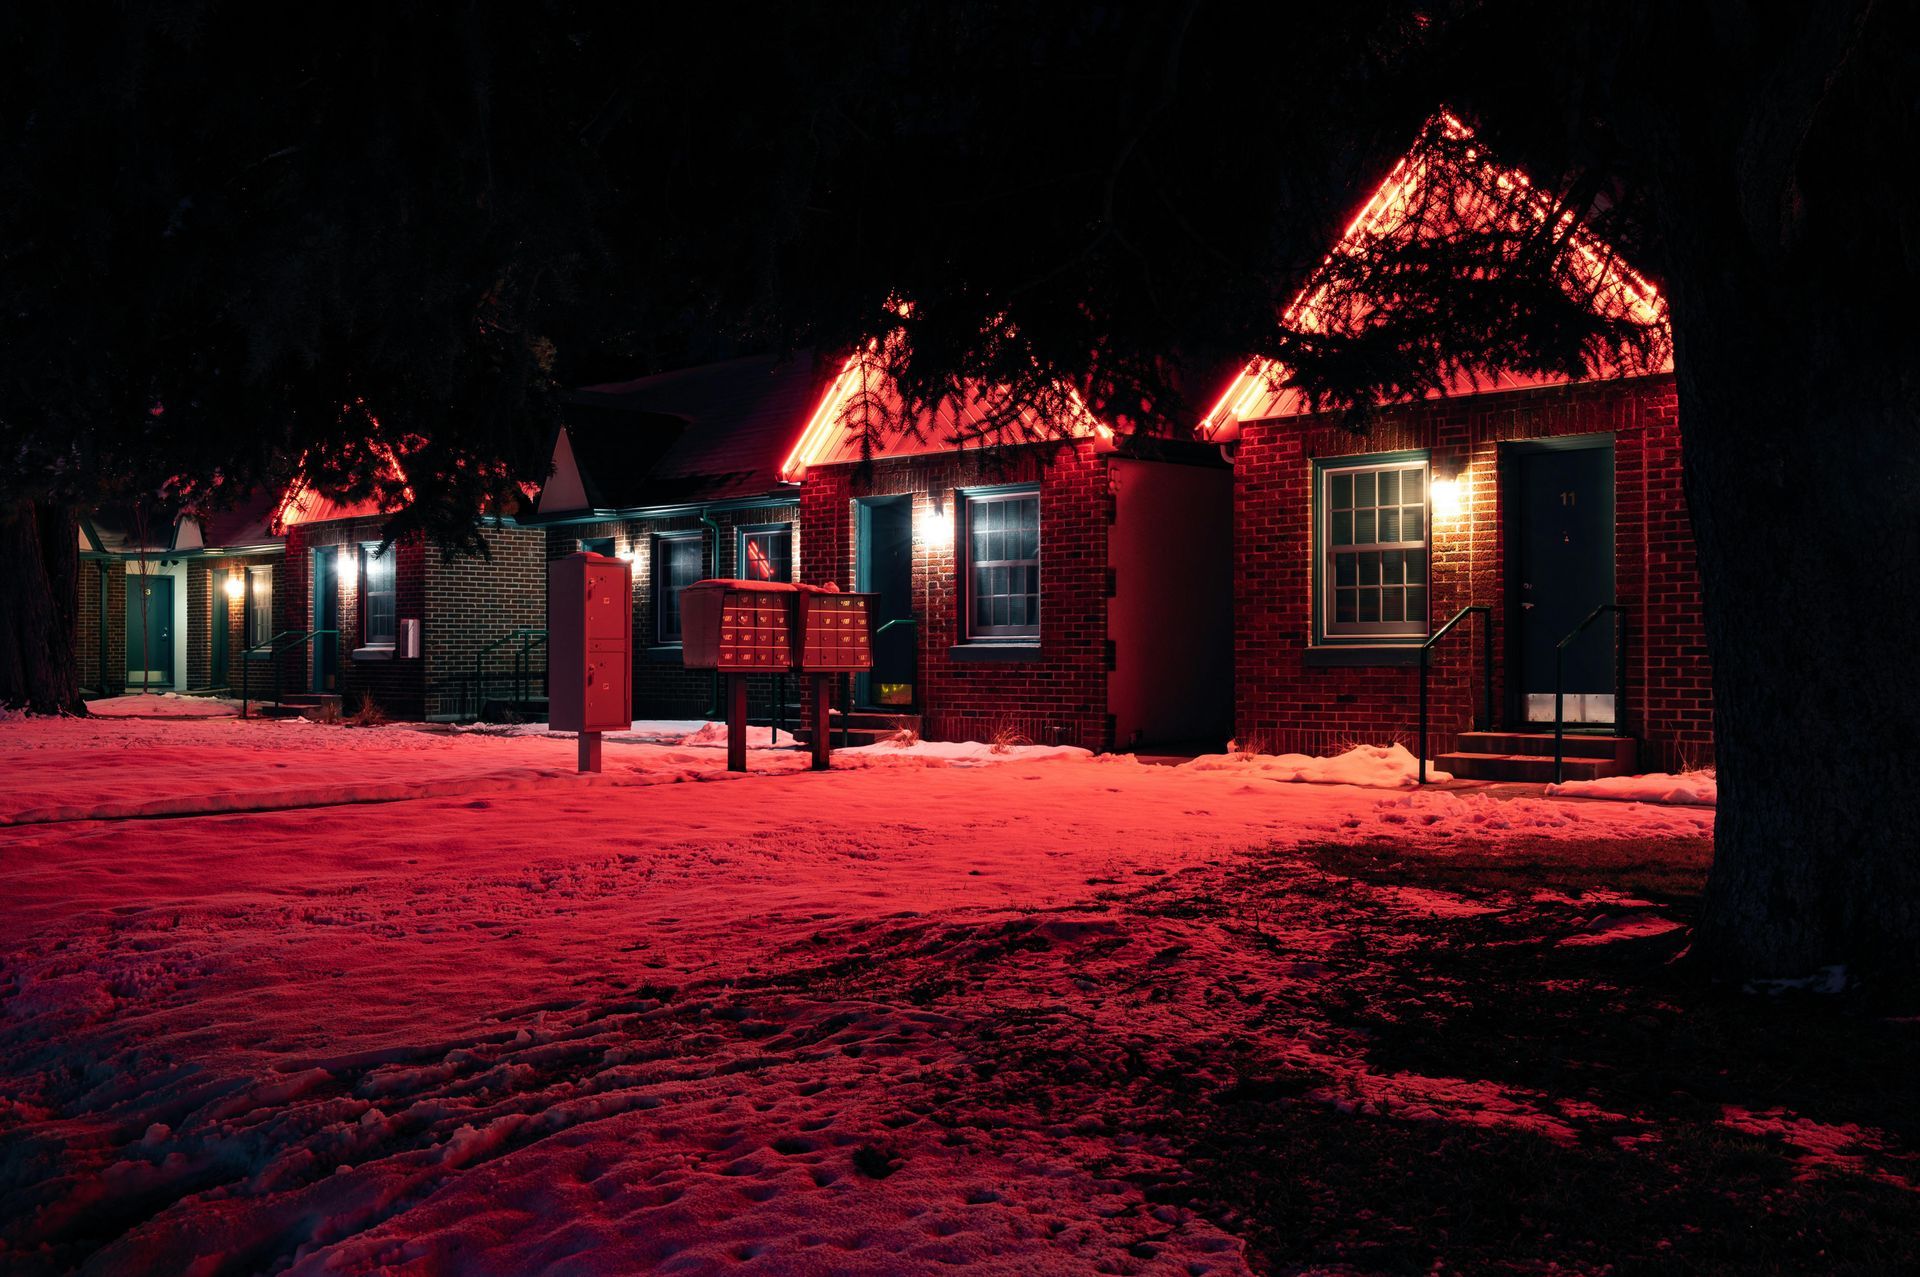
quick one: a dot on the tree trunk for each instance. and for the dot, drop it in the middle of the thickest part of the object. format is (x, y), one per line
(1802, 442)
(39, 598)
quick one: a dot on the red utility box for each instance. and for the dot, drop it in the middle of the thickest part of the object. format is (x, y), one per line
(589, 646)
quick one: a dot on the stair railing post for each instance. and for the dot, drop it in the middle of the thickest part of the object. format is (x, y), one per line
(1620, 672)
(1426, 650)
(1486, 689)
(1560, 712)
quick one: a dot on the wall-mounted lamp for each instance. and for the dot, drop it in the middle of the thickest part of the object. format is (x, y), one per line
(347, 566)
(236, 586)
(1445, 491)
(932, 524)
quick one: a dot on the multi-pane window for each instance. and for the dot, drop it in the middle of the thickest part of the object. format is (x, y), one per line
(677, 563)
(766, 554)
(377, 623)
(1003, 565)
(258, 625)
(1373, 560)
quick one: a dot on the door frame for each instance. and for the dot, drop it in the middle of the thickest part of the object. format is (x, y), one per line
(325, 577)
(176, 572)
(863, 508)
(1511, 453)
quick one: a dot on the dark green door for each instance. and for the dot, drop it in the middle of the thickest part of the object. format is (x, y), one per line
(149, 631)
(884, 566)
(326, 616)
(1560, 539)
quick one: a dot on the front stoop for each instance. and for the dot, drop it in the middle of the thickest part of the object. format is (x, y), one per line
(1528, 756)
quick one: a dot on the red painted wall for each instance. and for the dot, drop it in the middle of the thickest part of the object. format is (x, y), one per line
(1285, 705)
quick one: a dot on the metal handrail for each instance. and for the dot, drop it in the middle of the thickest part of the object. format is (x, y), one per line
(1485, 721)
(273, 647)
(528, 637)
(898, 620)
(1560, 681)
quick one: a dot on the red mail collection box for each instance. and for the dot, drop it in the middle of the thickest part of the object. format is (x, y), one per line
(590, 644)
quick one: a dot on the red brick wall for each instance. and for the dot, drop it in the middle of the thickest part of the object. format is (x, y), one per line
(662, 686)
(396, 685)
(1284, 704)
(470, 603)
(1062, 693)
(88, 634)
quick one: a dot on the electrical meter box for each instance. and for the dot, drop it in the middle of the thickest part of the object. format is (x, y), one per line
(737, 627)
(835, 631)
(589, 644)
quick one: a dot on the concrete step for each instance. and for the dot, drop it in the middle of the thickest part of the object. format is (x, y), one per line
(1524, 767)
(1623, 751)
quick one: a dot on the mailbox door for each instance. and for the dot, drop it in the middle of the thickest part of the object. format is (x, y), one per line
(609, 704)
(609, 603)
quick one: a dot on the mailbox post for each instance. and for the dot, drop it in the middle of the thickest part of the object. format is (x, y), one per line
(775, 627)
(834, 635)
(590, 649)
(738, 628)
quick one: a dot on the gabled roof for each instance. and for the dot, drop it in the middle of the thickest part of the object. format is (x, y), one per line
(116, 529)
(248, 523)
(303, 503)
(716, 432)
(171, 529)
(833, 437)
(1407, 204)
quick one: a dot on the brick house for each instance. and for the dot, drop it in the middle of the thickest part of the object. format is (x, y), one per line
(171, 602)
(679, 473)
(1073, 589)
(414, 631)
(1535, 500)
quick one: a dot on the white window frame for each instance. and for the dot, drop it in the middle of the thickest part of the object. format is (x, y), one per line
(744, 534)
(969, 565)
(255, 596)
(369, 555)
(1409, 629)
(661, 541)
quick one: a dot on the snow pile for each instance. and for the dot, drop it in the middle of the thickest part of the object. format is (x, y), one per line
(1688, 789)
(163, 705)
(1369, 766)
(960, 753)
(716, 734)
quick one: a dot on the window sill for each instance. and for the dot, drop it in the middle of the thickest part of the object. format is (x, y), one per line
(992, 652)
(1331, 654)
(373, 653)
(666, 654)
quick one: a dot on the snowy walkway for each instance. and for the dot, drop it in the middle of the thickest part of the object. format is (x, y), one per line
(288, 996)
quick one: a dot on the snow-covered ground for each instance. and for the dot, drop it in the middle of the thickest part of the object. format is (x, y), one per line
(291, 997)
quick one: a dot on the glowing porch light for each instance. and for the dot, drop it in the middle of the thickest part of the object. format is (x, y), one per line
(1445, 492)
(236, 587)
(346, 566)
(933, 527)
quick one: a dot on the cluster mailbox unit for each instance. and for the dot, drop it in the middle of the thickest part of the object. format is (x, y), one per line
(775, 627)
(590, 649)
